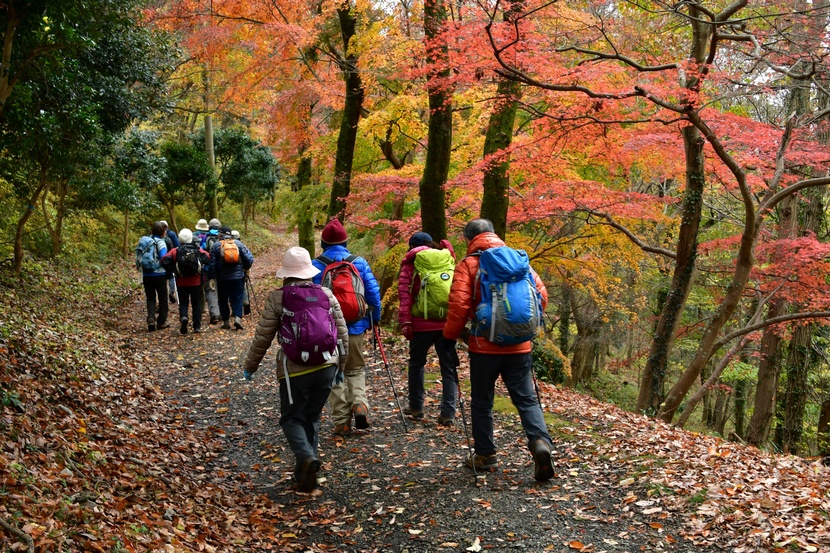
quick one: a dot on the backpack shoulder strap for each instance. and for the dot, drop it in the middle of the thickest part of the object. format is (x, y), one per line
(324, 260)
(351, 258)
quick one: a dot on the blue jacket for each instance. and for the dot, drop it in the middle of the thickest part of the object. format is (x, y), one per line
(162, 248)
(338, 253)
(173, 237)
(232, 271)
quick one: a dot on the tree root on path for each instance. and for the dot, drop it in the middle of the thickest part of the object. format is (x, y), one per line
(20, 534)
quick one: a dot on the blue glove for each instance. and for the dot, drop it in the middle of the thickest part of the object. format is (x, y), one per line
(340, 377)
(247, 375)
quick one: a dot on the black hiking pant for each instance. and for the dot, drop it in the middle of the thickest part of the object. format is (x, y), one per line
(155, 289)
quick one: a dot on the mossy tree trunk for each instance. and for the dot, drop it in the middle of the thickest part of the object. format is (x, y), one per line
(497, 141)
(352, 107)
(439, 134)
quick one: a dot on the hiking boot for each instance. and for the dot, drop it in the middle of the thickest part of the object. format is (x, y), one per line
(214, 320)
(446, 421)
(237, 323)
(361, 416)
(414, 413)
(306, 474)
(542, 465)
(151, 327)
(246, 308)
(226, 325)
(197, 330)
(164, 325)
(344, 429)
(183, 328)
(482, 462)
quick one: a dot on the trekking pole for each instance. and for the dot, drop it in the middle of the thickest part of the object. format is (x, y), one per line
(250, 286)
(379, 345)
(457, 362)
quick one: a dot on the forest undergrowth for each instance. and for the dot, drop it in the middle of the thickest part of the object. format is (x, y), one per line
(115, 439)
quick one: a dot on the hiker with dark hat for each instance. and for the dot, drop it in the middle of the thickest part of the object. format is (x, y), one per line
(186, 262)
(423, 289)
(491, 359)
(211, 298)
(148, 254)
(305, 380)
(361, 309)
(229, 260)
(172, 241)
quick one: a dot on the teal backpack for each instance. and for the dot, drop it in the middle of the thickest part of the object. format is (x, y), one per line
(147, 254)
(435, 269)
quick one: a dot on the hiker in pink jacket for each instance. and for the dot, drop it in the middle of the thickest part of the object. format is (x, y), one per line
(422, 318)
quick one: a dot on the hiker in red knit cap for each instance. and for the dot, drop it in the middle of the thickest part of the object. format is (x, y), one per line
(355, 287)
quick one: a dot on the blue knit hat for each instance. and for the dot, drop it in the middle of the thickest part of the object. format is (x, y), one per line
(420, 239)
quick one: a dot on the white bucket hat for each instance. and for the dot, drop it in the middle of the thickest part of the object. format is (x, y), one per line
(201, 224)
(297, 264)
(185, 236)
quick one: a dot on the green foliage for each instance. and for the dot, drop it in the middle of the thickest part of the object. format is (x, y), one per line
(616, 389)
(186, 171)
(549, 362)
(11, 399)
(389, 262)
(739, 371)
(247, 169)
(289, 204)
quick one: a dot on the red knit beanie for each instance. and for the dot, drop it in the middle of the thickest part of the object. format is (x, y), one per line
(334, 233)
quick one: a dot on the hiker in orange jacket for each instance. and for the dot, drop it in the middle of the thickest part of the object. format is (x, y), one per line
(489, 360)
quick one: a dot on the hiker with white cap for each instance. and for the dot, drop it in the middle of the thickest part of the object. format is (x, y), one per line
(186, 263)
(314, 342)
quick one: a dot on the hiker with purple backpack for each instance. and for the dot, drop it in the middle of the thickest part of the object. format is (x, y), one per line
(314, 346)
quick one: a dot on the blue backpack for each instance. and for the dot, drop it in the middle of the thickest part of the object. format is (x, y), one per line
(510, 311)
(147, 254)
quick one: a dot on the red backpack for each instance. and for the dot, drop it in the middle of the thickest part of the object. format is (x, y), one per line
(345, 282)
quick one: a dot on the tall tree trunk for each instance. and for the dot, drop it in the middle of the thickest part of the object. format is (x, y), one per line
(56, 229)
(213, 200)
(795, 394)
(387, 279)
(800, 360)
(771, 354)
(721, 411)
(21, 223)
(351, 117)
(125, 243)
(496, 200)
(651, 386)
(439, 134)
(564, 311)
(584, 351)
(305, 225)
(824, 428)
(650, 397)
(741, 388)
(768, 369)
(13, 19)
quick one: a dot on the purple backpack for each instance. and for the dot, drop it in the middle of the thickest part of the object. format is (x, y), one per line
(308, 333)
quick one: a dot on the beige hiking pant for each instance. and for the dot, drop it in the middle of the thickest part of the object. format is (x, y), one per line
(353, 389)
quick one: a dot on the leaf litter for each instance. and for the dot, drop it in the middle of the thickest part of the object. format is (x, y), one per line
(114, 439)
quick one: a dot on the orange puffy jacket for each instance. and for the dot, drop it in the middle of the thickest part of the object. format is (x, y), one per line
(465, 296)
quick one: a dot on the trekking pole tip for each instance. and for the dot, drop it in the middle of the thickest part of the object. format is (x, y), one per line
(481, 481)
